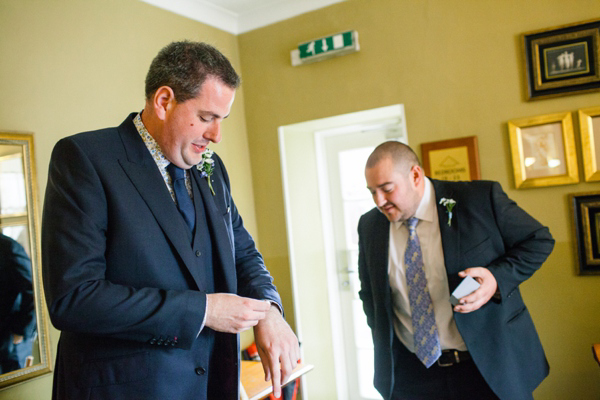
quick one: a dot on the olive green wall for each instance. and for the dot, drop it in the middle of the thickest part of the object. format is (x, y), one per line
(456, 65)
(69, 65)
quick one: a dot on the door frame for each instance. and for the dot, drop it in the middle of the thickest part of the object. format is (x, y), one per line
(307, 137)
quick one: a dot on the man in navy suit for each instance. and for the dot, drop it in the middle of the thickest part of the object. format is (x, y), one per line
(486, 347)
(148, 269)
(18, 327)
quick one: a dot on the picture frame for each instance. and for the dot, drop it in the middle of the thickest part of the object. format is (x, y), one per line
(589, 129)
(543, 151)
(585, 212)
(562, 60)
(452, 159)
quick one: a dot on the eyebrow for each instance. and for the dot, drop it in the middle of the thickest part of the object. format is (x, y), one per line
(383, 184)
(212, 114)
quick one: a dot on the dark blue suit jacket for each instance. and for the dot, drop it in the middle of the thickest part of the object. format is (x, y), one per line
(489, 230)
(125, 281)
(17, 310)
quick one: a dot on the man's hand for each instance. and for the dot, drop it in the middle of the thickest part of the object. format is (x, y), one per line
(478, 298)
(17, 339)
(230, 313)
(277, 347)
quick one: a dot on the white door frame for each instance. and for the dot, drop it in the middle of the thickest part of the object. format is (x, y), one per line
(310, 135)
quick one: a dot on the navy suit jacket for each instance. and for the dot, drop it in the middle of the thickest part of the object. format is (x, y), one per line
(17, 312)
(487, 230)
(125, 281)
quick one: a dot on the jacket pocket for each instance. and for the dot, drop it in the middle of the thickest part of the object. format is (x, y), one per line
(114, 370)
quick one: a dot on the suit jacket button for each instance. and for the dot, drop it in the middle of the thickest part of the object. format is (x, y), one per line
(198, 253)
(200, 371)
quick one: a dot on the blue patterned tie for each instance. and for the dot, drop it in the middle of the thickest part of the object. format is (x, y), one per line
(427, 341)
(184, 201)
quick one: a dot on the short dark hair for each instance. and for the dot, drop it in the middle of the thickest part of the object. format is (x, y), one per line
(184, 66)
(403, 157)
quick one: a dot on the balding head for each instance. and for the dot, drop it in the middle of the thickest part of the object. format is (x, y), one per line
(403, 157)
(395, 179)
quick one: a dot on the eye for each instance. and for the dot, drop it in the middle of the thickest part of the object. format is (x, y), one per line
(388, 189)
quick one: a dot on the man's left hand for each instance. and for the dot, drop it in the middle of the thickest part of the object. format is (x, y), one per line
(481, 296)
(277, 347)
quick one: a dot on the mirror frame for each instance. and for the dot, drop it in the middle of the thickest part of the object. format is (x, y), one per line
(25, 140)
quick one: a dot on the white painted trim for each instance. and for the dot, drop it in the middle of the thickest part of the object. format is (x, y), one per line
(272, 13)
(201, 11)
(211, 14)
(291, 253)
(321, 128)
(330, 261)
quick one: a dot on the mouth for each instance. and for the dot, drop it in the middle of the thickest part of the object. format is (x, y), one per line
(199, 148)
(387, 209)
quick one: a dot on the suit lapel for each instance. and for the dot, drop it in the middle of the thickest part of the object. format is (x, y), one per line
(145, 176)
(222, 241)
(450, 234)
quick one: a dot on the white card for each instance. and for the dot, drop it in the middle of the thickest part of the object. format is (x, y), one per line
(465, 288)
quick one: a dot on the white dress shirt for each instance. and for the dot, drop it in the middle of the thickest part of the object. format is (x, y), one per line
(428, 230)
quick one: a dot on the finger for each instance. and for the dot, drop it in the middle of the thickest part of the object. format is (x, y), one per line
(258, 305)
(276, 379)
(287, 366)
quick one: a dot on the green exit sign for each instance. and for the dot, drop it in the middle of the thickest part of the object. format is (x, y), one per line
(323, 48)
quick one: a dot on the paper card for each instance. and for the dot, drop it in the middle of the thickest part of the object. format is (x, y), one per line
(465, 288)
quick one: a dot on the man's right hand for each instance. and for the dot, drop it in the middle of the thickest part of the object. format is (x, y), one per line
(230, 313)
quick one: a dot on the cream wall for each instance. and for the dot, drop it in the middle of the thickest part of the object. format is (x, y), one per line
(456, 67)
(71, 65)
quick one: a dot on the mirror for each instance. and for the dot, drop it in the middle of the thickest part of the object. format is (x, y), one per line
(24, 340)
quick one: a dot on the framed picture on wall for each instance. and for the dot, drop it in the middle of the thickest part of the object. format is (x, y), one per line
(562, 60)
(452, 160)
(585, 211)
(589, 128)
(543, 151)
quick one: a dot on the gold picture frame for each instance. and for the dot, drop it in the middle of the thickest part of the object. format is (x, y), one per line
(585, 213)
(543, 151)
(562, 60)
(589, 129)
(452, 160)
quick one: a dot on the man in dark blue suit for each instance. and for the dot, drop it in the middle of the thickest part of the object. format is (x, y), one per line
(148, 269)
(486, 347)
(18, 327)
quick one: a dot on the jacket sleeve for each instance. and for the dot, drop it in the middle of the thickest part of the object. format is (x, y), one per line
(527, 243)
(365, 293)
(253, 278)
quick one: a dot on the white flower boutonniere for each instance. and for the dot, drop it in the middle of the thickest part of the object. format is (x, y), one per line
(207, 167)
(449, 203)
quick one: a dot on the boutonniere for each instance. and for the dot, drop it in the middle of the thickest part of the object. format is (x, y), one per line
(207, 167)
(449, 203)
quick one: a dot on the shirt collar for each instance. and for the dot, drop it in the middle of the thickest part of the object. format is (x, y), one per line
(151, 144)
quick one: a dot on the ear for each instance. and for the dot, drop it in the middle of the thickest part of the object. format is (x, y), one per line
(162, 101)
(417, 175)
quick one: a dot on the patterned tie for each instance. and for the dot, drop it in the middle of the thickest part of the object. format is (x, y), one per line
(427, 341)
(184, 201)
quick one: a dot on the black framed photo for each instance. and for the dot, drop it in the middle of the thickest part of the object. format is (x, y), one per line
(562, 60)
(585, 210)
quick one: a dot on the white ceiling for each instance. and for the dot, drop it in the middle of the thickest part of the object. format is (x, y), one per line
(239, 16)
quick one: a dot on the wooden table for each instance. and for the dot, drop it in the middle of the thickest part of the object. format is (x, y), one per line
(253, 379)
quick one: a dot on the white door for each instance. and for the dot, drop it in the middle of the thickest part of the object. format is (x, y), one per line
(344, 157)
(325, 193)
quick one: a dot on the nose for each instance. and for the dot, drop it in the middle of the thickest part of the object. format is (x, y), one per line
(213, 133)
(379, 199)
